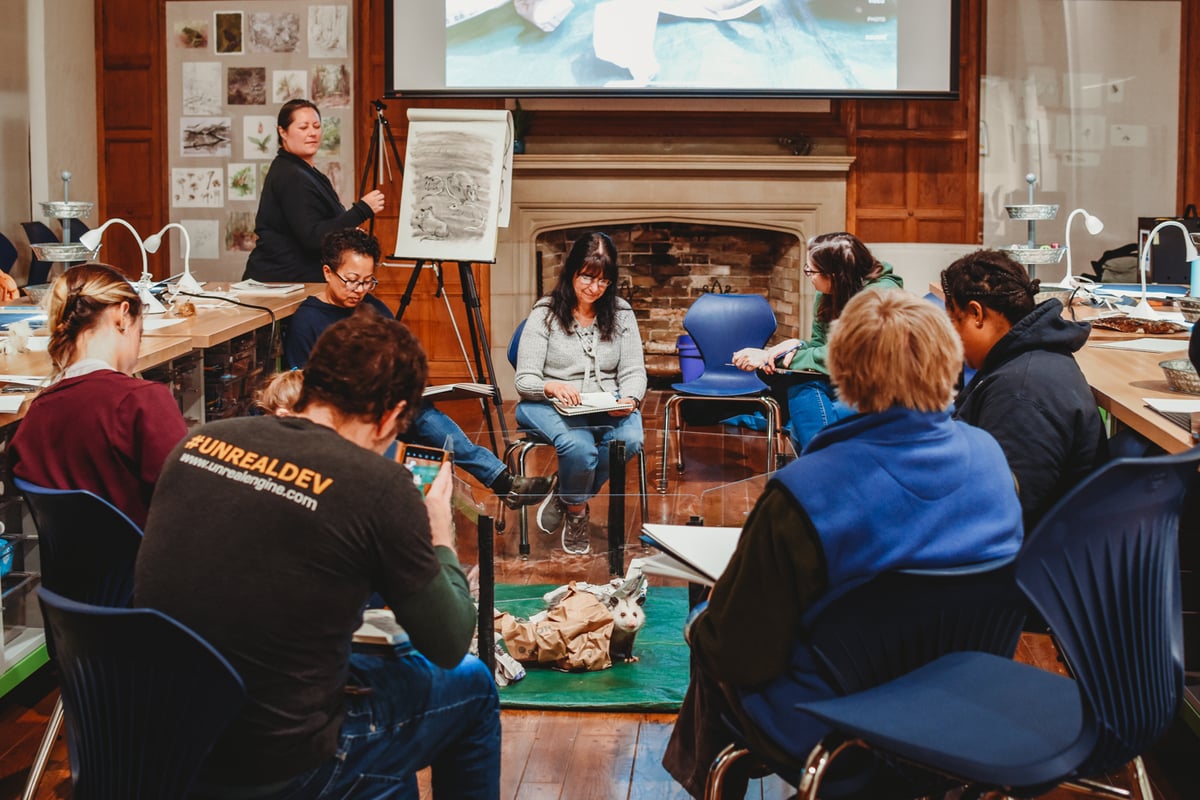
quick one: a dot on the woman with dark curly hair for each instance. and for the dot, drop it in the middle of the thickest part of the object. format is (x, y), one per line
(839, 266)
(581, 338)
(1028, 391)
(96, 427)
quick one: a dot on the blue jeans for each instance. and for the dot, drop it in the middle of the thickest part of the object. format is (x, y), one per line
(432, 428)
(582, 445)
(811, 406)
(416, 715)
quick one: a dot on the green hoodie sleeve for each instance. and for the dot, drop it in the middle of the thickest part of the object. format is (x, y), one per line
(812, 356)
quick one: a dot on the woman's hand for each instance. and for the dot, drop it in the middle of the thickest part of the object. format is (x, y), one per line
(374, 199)
(437, 505)
(8, 287)
(751, 358)
(564, 393)
(628, 406)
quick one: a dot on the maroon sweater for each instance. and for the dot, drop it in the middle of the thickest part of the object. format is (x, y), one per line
(104, 432)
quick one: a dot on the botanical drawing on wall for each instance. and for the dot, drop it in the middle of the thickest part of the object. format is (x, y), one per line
(227, 28)
(331, 86)
(243, 181)
(205, 136)
(203, 233)
(239, 231)
(331, 135)
(258, 138)
(449, 206)
(288, 84)
(197, 187)
(247, 86)
(191, 34)
(333, 171)
(201, 87)
(273, 33)
(328, 31)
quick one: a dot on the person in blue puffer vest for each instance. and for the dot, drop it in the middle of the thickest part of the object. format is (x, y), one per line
(900, 484)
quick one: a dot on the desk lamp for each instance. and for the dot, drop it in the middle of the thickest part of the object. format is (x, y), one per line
(149, 302)
(1093, 225)
(186, 282)
(1143, 308)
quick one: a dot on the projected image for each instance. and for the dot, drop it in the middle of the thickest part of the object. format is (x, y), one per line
(762, 45)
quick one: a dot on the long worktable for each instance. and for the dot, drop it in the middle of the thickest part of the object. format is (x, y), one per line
(1121, 378)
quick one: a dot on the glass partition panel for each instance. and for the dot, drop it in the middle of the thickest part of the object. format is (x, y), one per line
(1083, 94)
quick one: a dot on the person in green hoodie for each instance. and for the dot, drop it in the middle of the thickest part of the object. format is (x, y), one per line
(839, 266)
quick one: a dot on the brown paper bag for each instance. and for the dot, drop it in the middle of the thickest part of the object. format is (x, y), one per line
(574, 635)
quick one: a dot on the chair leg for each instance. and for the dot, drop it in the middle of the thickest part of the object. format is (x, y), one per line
(43, 752)
(714, 785)
(819, 759)
(514, 457)
(641, 457)
(670, 420)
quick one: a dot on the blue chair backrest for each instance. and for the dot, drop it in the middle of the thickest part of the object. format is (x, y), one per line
(144, 697)
(514, 343)
(899, 621)
(719, 324)
(88, 546)
(8, 253)
(1102, 567)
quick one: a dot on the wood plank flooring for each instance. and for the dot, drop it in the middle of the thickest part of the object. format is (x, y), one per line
(585, 755)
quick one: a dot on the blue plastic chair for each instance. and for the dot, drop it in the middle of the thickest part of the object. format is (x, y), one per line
(891, 625)
(8, 254)
(39, 233)
(146, 698)
(516, 452)
(1102, 568)
(88, 548)
(721, 324)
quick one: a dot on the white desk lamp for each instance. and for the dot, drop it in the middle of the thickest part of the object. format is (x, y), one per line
(186, 282)
(149, 302)
(1093, 225)
(1143, 308)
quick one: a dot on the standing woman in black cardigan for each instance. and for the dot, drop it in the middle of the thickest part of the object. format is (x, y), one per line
(299, 205)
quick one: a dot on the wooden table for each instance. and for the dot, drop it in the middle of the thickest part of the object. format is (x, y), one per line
(154, 351)
(1121, 378)
(214, 325)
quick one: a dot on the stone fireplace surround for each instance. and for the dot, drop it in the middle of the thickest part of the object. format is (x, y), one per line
(797, 195)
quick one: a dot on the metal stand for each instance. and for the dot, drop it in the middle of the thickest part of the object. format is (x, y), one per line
(484, 368)
(377, 164)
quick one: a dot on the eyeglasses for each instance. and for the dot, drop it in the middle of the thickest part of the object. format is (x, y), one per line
(366, 284)
(808, 273)
(588, 280)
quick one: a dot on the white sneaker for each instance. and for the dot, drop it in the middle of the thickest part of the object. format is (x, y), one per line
(550, 514)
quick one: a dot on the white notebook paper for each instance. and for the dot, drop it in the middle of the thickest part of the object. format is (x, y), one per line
(693, 552)
(1145, 345)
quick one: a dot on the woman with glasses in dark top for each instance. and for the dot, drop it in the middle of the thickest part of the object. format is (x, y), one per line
(839, 267)
(299, 205)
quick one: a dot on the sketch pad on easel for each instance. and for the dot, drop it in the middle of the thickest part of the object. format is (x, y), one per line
(457, 184)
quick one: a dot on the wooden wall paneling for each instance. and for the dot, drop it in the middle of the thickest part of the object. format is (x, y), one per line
(1189, 106)
(131, 94)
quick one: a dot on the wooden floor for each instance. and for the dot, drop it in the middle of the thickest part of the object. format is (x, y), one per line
(585, 755)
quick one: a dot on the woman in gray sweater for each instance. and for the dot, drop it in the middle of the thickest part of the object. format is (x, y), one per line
(581, 338)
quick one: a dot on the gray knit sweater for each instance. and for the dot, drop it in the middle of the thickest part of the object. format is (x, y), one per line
(556, 355)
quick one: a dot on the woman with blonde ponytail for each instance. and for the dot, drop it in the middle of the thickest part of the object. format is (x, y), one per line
(96, 427)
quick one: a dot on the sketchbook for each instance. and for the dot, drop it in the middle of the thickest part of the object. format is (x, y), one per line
(695, 553)
(252, 286)
(379, 626)
(451, 391)
(1145, 345)
(590, 403)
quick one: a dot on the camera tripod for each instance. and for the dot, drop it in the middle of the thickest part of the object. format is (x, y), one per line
(376, 164)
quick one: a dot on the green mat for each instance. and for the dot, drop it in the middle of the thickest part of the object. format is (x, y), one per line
(655, 682)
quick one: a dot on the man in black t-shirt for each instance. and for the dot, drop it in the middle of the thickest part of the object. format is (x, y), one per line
(267, 535)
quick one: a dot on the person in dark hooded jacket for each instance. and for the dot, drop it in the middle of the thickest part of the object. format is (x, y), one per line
(1028, 392)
